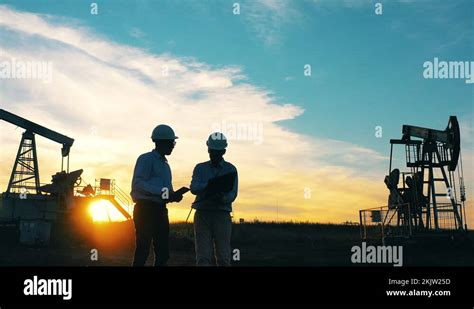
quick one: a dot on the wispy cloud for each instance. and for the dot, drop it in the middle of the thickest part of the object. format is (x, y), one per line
(345, 3)
(359, 3)
(136, 33)
(267, 19)
(440, 18)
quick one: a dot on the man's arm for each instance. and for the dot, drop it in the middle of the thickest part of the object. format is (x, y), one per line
(198, 185)
(141, 177)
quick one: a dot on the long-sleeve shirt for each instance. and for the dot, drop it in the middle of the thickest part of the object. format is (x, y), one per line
(201, 175)
(151, 178)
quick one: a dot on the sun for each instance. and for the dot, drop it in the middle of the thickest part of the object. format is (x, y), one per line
(104, 211)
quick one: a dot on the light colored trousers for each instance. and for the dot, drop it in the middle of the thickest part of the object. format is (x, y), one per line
(212, 229)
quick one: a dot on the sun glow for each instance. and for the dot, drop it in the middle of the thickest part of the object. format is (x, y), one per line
(104, 211)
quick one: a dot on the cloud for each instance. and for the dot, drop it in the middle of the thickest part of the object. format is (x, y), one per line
(358, 3)
(442, 19)
(136, 33)
(345, 3)
(267, 19)
(110, 96)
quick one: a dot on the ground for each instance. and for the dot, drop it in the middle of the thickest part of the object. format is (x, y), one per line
(260, 244)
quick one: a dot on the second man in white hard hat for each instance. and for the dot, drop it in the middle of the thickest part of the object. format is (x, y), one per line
(212, 220)
(152, 189)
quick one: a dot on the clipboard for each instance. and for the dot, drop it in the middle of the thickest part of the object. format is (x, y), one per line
(221, 184)
(182, 190)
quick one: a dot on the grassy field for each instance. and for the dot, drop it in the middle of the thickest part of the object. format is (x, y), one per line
(260, 244)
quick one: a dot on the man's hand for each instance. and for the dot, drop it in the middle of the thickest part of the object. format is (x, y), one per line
(175, 197)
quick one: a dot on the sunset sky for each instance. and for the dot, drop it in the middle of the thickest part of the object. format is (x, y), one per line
(311, 153)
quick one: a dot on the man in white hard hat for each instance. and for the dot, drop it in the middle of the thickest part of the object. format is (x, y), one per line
(212, 220)
(152, 189)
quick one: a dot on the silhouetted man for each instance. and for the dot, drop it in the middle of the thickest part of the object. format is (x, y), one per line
(212, 220)
(151, 190)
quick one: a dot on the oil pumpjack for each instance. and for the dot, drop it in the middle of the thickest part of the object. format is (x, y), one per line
(432, 194)
(34, 207)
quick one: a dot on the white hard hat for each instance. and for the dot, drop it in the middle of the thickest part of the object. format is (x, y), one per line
(217, 141)
(163, 131)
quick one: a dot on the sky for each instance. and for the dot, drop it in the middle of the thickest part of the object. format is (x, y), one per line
(307, 149)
